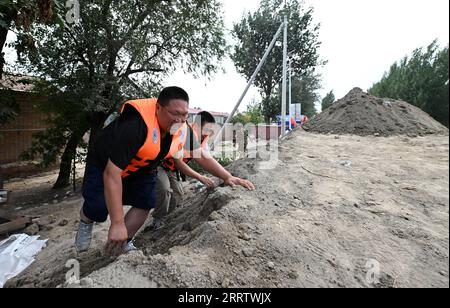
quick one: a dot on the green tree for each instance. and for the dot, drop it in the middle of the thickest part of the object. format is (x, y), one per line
(421, 80)
(253, 114)
(304, 91)
(328, 100)
(254, 34)
(8, 106)
(240, 117)
(20, 15)
(120, 49)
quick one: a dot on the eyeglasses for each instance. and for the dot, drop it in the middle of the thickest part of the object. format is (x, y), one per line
(176, 115)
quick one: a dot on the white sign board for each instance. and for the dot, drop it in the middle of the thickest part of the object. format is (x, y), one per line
(295, 112)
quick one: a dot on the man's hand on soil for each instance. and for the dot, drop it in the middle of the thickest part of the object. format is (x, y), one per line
(233, 181)
(117, 238)
(207, 181)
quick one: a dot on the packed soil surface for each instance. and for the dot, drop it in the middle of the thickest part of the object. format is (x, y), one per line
(337, 211)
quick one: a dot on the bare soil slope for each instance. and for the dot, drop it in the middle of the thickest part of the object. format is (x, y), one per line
(332, 207)
(359, 113)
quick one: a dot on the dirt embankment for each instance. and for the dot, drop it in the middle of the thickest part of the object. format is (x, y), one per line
(359, 113)
(337, 211)
(343, 211)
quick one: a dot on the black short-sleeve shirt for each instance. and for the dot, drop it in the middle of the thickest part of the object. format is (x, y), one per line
(121, 140)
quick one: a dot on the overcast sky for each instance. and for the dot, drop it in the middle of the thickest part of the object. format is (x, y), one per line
(360, 40)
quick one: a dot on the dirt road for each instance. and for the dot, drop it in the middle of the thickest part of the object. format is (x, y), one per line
(338, 211)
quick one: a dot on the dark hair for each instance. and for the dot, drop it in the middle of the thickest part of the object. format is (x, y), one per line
(205, 117)
(170, 93)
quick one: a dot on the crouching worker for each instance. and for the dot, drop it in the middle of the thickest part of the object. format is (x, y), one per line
(169, 189)
(122, 167)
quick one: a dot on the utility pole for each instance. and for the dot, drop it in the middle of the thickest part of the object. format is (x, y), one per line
(283, 99)
(300, 105)
(290, 94)
(250, 82)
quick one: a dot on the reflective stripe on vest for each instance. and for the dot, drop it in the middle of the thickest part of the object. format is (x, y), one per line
(152, 145)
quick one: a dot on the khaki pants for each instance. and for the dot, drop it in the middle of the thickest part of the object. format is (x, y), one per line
(169, 193)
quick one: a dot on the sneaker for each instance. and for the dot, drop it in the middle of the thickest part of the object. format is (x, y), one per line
(156, 224)
(84, 236)
(129, 247)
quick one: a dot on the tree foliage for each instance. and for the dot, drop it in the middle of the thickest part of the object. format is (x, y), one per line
(20, 15)
(303, 91)
(254, 34)
(328, 100)
(119, 50)
(421, 80)
(9, 108)
(252, 115)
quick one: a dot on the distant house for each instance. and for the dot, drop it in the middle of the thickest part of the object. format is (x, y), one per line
(16, 136)
(220, 117)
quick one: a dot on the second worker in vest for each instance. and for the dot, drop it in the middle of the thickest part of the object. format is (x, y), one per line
(169, 190)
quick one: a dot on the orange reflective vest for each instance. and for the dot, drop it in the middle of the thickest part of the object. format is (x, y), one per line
(293, 123)
(152, 145)
(187, 157)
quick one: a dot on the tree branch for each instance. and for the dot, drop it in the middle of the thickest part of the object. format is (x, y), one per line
(112, 51)
(137, 87)
(79, 53)
(138, 21)
(145, 69)
(130, 71)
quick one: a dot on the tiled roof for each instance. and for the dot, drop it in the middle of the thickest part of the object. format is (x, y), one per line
(17, 83)
(214, 113)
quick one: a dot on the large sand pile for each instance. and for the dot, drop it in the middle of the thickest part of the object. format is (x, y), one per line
(359, 113)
